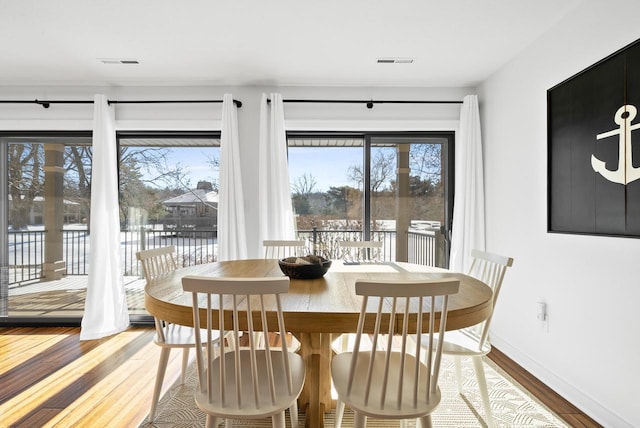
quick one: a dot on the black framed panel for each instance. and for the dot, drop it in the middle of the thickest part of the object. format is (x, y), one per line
(593, 165)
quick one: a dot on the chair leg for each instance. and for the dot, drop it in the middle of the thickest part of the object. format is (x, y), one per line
(185, 363)
(458, 363)
(258, 340)
(339, 414)
(162, 367)
(359, 420)
(425, 422)
(345, 338)
(212, 422)
(484, 392)
(228, 342)
(293, 414)
(277, 420)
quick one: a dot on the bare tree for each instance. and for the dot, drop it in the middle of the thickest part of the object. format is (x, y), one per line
(26, 180)
(143, 171)
(301, 188)
(77, 177)
(154, 164)
(78, 161)
(383, 168)
(304, 184)
(214, 163)
(426, 161)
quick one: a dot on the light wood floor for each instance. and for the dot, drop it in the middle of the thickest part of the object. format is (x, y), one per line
(48, 378)
(51, 379)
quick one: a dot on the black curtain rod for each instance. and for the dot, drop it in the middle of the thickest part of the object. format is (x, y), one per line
(44, 104)
(369, 103)
(236, 102)
(47, 103)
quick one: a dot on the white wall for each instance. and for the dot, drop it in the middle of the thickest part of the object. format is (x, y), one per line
(587, 357)
(440, 117)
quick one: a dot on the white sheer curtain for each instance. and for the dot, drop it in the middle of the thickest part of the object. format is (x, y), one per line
(232, 241)
(274, 204)
(105, 310)
(468, 230)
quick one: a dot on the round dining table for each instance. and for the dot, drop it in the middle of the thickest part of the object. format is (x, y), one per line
(318, 310)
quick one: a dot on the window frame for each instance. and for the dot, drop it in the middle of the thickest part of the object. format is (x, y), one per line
(138, 319)
(5, 320)
(367, 137)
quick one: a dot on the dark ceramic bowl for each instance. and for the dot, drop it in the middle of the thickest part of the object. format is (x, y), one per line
(316, 268)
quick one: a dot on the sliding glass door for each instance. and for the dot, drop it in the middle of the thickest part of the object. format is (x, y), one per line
(168, 196)
(46, 207)
(390, 187)
(410, 191)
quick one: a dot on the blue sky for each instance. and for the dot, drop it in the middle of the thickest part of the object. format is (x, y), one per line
(194, 160)
(328, 165)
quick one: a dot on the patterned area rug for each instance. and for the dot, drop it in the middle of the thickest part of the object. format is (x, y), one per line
(512, 406)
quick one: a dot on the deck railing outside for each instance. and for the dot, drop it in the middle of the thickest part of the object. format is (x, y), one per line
(26, 252)
(193, 247)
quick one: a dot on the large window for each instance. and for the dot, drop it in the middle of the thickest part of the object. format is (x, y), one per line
(46, 198)
(168, 196)
(392, 187)
(325, 187)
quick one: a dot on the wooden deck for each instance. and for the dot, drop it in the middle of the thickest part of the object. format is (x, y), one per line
(64, 298)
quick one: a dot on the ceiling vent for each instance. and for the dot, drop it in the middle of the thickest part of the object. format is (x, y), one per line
(118, 61)
(395, 60)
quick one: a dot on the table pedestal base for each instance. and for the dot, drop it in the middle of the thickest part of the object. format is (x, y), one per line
(315, 348)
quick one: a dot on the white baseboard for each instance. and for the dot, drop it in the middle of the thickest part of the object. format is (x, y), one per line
(576, 397)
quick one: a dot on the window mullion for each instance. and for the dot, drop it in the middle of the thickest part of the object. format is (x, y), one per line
(366, 190)
(4, 239)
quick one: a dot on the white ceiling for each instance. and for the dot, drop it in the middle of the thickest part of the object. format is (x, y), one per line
(454, 43)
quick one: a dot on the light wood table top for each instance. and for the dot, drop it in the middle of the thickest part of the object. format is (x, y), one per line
(325, 305)
(318, 309)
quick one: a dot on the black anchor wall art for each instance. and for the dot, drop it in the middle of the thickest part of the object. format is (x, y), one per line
(593, 129)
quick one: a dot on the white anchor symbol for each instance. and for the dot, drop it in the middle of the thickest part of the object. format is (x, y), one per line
(625, 173)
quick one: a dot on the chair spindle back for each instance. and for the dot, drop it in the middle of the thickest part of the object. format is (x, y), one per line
(490, 269)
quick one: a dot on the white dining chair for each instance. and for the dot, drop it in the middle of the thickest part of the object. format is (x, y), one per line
(394, 383)
(474, 341)
(279, 249)
(243, 382)
(157, 263)
(357, 251)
